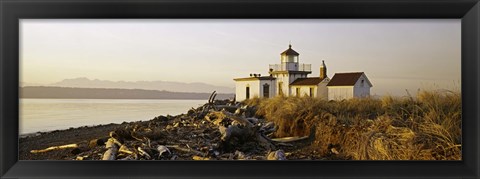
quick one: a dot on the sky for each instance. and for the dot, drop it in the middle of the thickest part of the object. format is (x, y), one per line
(396, 55)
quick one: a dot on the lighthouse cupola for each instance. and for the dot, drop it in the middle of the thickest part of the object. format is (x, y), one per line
(289, 55)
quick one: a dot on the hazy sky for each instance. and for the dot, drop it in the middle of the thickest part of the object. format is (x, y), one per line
(395, 54)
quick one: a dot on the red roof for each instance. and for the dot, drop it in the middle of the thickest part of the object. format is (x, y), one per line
(307, 81)
(345, 79)
(290, 51)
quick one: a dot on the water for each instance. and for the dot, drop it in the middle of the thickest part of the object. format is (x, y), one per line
(40, 115)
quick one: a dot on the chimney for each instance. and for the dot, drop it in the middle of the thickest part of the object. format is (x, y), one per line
(323, 70)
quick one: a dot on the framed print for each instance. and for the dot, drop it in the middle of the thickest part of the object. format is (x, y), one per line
(247, 89)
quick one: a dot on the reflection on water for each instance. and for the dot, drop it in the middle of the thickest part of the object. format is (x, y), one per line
(51, 114)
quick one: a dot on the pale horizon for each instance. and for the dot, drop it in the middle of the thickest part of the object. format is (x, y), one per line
(396, 55)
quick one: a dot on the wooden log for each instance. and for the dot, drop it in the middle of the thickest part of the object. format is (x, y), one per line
(55, 148)
(290, 139)
(176, 147)
(245, 133)
(124, 149)
(112, 150)
(216, 117)
(243, 129)
(276, 155)
(97, 142)
(143, 153)
(210, 100)
(235, 131)
(240, 155)
(241, 120)
(162, 149)
(264, 141)
(196, 157)
(82, 147)
(268, 128)
(228, 108)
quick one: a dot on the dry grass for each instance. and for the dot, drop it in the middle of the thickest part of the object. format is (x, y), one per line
(423, 127)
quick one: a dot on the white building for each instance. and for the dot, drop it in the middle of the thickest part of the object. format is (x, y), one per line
(255, 86)
(289, 78)
(348, 85)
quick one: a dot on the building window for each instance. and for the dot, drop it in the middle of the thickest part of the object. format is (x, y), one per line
(266, 90)
(247, 93)
(311, 92)
(362, 83)
(280, 89)
(298, 92)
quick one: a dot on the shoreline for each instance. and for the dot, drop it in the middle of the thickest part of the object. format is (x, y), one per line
(33, 134)
(190, 136)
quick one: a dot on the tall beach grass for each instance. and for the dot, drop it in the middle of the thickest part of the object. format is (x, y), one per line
(422, 127)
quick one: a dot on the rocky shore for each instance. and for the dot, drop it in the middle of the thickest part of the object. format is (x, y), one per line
(218, 130)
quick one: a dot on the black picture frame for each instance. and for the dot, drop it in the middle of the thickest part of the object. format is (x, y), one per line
(13, 10)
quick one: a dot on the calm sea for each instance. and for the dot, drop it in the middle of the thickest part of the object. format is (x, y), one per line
(52, 114)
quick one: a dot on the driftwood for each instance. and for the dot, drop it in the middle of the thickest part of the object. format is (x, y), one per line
(276, 155)
(241, 128)
(162, 149)
(124, 149)
(112, 150)
(196, 157)
(97, 142)
(290, 139)
(144, 153)
(228, 108)
(241, 156)
(209, 105)
(55, 148)
(188, 150)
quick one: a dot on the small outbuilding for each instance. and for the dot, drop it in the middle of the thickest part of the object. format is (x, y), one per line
(348, 85)
(255, 86)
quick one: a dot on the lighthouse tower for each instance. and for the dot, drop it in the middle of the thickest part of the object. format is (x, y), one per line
(288, 70)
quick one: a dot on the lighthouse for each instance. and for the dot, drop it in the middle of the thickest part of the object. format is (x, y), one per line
(288, 70)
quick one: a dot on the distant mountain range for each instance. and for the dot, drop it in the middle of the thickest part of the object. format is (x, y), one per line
(146, 85)
(104, 93)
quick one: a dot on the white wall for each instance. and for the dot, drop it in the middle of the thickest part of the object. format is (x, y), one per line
(272, 88)
(240, 89)
(304, 90)
(361, 90)
(284, 78)
(340, 92)
(322, 90)
(256, 88)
